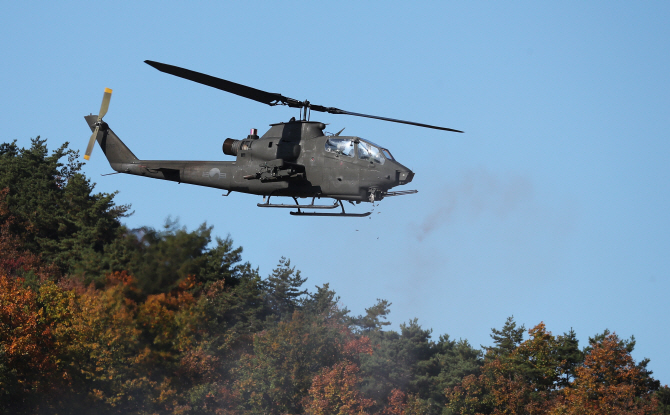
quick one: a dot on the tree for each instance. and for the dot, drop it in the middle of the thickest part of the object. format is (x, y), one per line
(506, 339)
(608, 382)
(373, 318)
(335, 391)
(534, 378)
(569, 356)
(325, 303)
(411, 363)
(282, 289)
(223, 262)
(515, 379)
(663, 397)
(448, 364)
(171, 320)
(276, 377)
(646, 382)
(395, 364)
(234, 313)
(27, 366)
(15, 260)
(53, 205)
(164, 258)
(161, 260)
(99, 347)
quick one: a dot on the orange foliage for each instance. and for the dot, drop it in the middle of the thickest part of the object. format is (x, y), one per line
(526, 382)
(281, 370)
(26, 336)
(54, 340)
(172, 318)
(397, 403)
(520, 383)
(335, 391)
(356, 346)
(198, 366)
(607, 383)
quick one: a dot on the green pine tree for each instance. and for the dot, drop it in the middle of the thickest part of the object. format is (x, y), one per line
(283, 289)
(53, 205)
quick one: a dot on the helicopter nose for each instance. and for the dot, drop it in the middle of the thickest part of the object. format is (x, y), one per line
(405, 176)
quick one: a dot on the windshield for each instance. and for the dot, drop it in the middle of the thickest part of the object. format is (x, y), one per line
(367, 151)
(340, 146)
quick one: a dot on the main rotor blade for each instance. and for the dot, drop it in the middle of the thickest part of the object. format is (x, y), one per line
(332, 110)
(91, 143)
(268, 98)
(401, 121)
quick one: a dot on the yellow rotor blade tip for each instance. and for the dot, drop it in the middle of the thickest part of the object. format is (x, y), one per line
(87, 157)
(108, 90)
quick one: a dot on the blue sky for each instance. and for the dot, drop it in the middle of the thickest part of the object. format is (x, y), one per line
(553, 206)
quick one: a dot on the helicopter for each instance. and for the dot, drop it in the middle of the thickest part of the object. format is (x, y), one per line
(296, 159)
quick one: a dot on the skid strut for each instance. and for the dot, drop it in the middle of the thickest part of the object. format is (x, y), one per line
(297, 205)
(336, 203)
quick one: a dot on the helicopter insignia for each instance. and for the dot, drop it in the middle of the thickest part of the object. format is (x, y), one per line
(296, 159)
(214, 173)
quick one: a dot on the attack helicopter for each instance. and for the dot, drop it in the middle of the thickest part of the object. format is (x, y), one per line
(296, 159)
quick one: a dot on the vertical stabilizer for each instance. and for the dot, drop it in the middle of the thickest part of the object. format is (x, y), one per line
(114, 149)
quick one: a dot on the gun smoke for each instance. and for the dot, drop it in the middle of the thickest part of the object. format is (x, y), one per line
(478, 193)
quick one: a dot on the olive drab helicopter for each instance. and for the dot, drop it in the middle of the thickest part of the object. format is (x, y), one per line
(296, 159)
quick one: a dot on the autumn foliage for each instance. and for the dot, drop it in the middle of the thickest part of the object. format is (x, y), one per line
(336, 391)
(608, 382)
(530, 379)
(99, 318)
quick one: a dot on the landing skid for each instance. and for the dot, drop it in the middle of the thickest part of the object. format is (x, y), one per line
(313, 206)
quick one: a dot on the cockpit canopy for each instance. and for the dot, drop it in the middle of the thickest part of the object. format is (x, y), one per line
(364, 149)
(344, 146)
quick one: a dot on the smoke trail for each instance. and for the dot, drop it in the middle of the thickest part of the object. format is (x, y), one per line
(479, 192)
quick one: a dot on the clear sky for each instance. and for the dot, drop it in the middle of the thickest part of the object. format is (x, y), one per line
(553, 206)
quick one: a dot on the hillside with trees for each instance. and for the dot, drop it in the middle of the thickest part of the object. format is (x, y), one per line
(99, 318)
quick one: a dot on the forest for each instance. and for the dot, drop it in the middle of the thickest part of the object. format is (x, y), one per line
(99, 318)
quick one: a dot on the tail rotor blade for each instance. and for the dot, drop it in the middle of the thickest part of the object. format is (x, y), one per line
(105, 103)
(91, 143)
(103, 110)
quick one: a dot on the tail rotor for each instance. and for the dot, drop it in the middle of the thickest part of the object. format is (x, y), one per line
(103, 110)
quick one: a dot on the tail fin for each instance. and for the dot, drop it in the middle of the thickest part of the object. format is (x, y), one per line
(114, 149)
